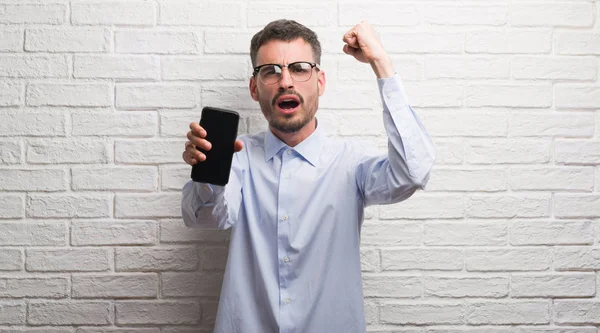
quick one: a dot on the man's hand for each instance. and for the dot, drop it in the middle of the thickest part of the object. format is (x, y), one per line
(363, 43)
(196, 136)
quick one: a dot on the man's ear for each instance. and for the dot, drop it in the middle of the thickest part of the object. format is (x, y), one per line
(321, 80)
(253, 88)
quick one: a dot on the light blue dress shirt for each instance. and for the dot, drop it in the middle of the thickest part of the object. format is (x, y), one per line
(296, 214)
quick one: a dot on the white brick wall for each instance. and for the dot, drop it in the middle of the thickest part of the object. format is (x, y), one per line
(96, 97)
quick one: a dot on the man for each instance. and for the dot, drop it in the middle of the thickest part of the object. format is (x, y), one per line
(295, 198)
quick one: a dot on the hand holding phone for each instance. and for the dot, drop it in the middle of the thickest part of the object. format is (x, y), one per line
(215, 140)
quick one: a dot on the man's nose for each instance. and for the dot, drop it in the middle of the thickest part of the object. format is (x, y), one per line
(286, 81)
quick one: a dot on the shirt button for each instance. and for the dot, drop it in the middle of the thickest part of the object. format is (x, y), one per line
(286, 259)
(285, 217)
(206, 187)
(288, 300)
(287, 177)
(289, 152)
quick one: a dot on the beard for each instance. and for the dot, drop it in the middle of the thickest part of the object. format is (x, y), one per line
(289, 123)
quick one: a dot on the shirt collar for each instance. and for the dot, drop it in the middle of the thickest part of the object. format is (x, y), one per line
(309, 148)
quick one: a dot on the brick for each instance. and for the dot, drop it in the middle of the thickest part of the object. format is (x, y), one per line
(565, 14)
(159, 42)
(434, 95)
(34, 66)
(67, 40)
(577, 96)
(423, 42)
(11, 206)
(597, 178)
(68, 205)
(551, 233)
(236, 98)
(419, 313)
(177, 124)
(465, 234)
(577, 152)
(477, 329)
(508, 151)
(465, 123)
(174, 231)
(117, 330)
(114, 13)
(397, 286)
(465, 15)
(213, 258)
(10, 152)
(157, 96)
(113, 233)
(173, 178)
(392, 234)
(116, 67)
(312, 14)
(12, 313)
(508, 259)
(466, 286)
(385, 14)
(561, 329)
(576, 258)
(137, 124)
(508, 206)
(357, 123)
(424, 206)
(369, 260)
(422, 259)
(182, 329)
(68, 260)
(513, 95)
(148, 205)
(61, 151)
(577, 311)
(156, 259)
(16, 123)
(490, 180)
(15, 329)
(576, 205)
(577, 43)
(191, 284)
(555, 68)
(137, 152)
(508, 313)
(68, 94)
(33, 233)
(19, 287)
(115, 178)
(510, 41)
(10, 260)
(563, 124)
(449, 151)
(33, 13)
(211, 14)
(407, 67)
(70, 313)
(194, 68)
(234, 42)
(11, 40)
(11, 94)
(157, 312)
(553, 285)
(33, 180)
(115, 286)
(555, 179)
(471, 67)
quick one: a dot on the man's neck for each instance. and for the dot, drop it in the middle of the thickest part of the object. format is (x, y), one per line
(293, 139)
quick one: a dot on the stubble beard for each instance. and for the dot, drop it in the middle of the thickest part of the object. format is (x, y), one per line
(290, 123)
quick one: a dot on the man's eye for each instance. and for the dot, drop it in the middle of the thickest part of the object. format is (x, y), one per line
(299, 68)
(271, 70)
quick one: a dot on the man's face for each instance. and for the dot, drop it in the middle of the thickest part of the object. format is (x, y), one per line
(287, 105)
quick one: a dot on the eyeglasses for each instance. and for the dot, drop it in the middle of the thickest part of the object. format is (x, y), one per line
(300, 71)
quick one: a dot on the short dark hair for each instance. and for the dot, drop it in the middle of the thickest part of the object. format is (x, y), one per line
(287, 31)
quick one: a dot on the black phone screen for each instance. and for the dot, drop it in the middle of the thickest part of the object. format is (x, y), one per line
(221, 131)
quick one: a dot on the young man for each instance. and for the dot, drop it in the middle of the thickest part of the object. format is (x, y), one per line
(295, 198)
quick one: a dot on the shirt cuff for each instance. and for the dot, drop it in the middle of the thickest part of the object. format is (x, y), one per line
(207, 192)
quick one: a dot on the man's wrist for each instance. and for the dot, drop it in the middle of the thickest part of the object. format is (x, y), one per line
(383, 68)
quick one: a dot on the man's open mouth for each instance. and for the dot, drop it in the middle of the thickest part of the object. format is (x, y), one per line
(288, 102)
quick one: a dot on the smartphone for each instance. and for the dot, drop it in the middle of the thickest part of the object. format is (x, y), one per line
(221, 131)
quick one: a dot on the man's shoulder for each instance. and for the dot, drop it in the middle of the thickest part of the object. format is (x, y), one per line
(256, 139)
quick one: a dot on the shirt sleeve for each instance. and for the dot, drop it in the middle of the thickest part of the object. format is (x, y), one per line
(411, 154)
(213, 206)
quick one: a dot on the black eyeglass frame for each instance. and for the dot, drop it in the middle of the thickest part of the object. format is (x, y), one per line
(312, 65)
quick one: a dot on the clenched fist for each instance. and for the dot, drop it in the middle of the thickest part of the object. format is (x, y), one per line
(363, 43)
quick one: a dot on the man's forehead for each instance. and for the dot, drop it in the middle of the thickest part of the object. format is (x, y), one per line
(275, 49)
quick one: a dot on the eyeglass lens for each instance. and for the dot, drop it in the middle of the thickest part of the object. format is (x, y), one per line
(299, 71)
